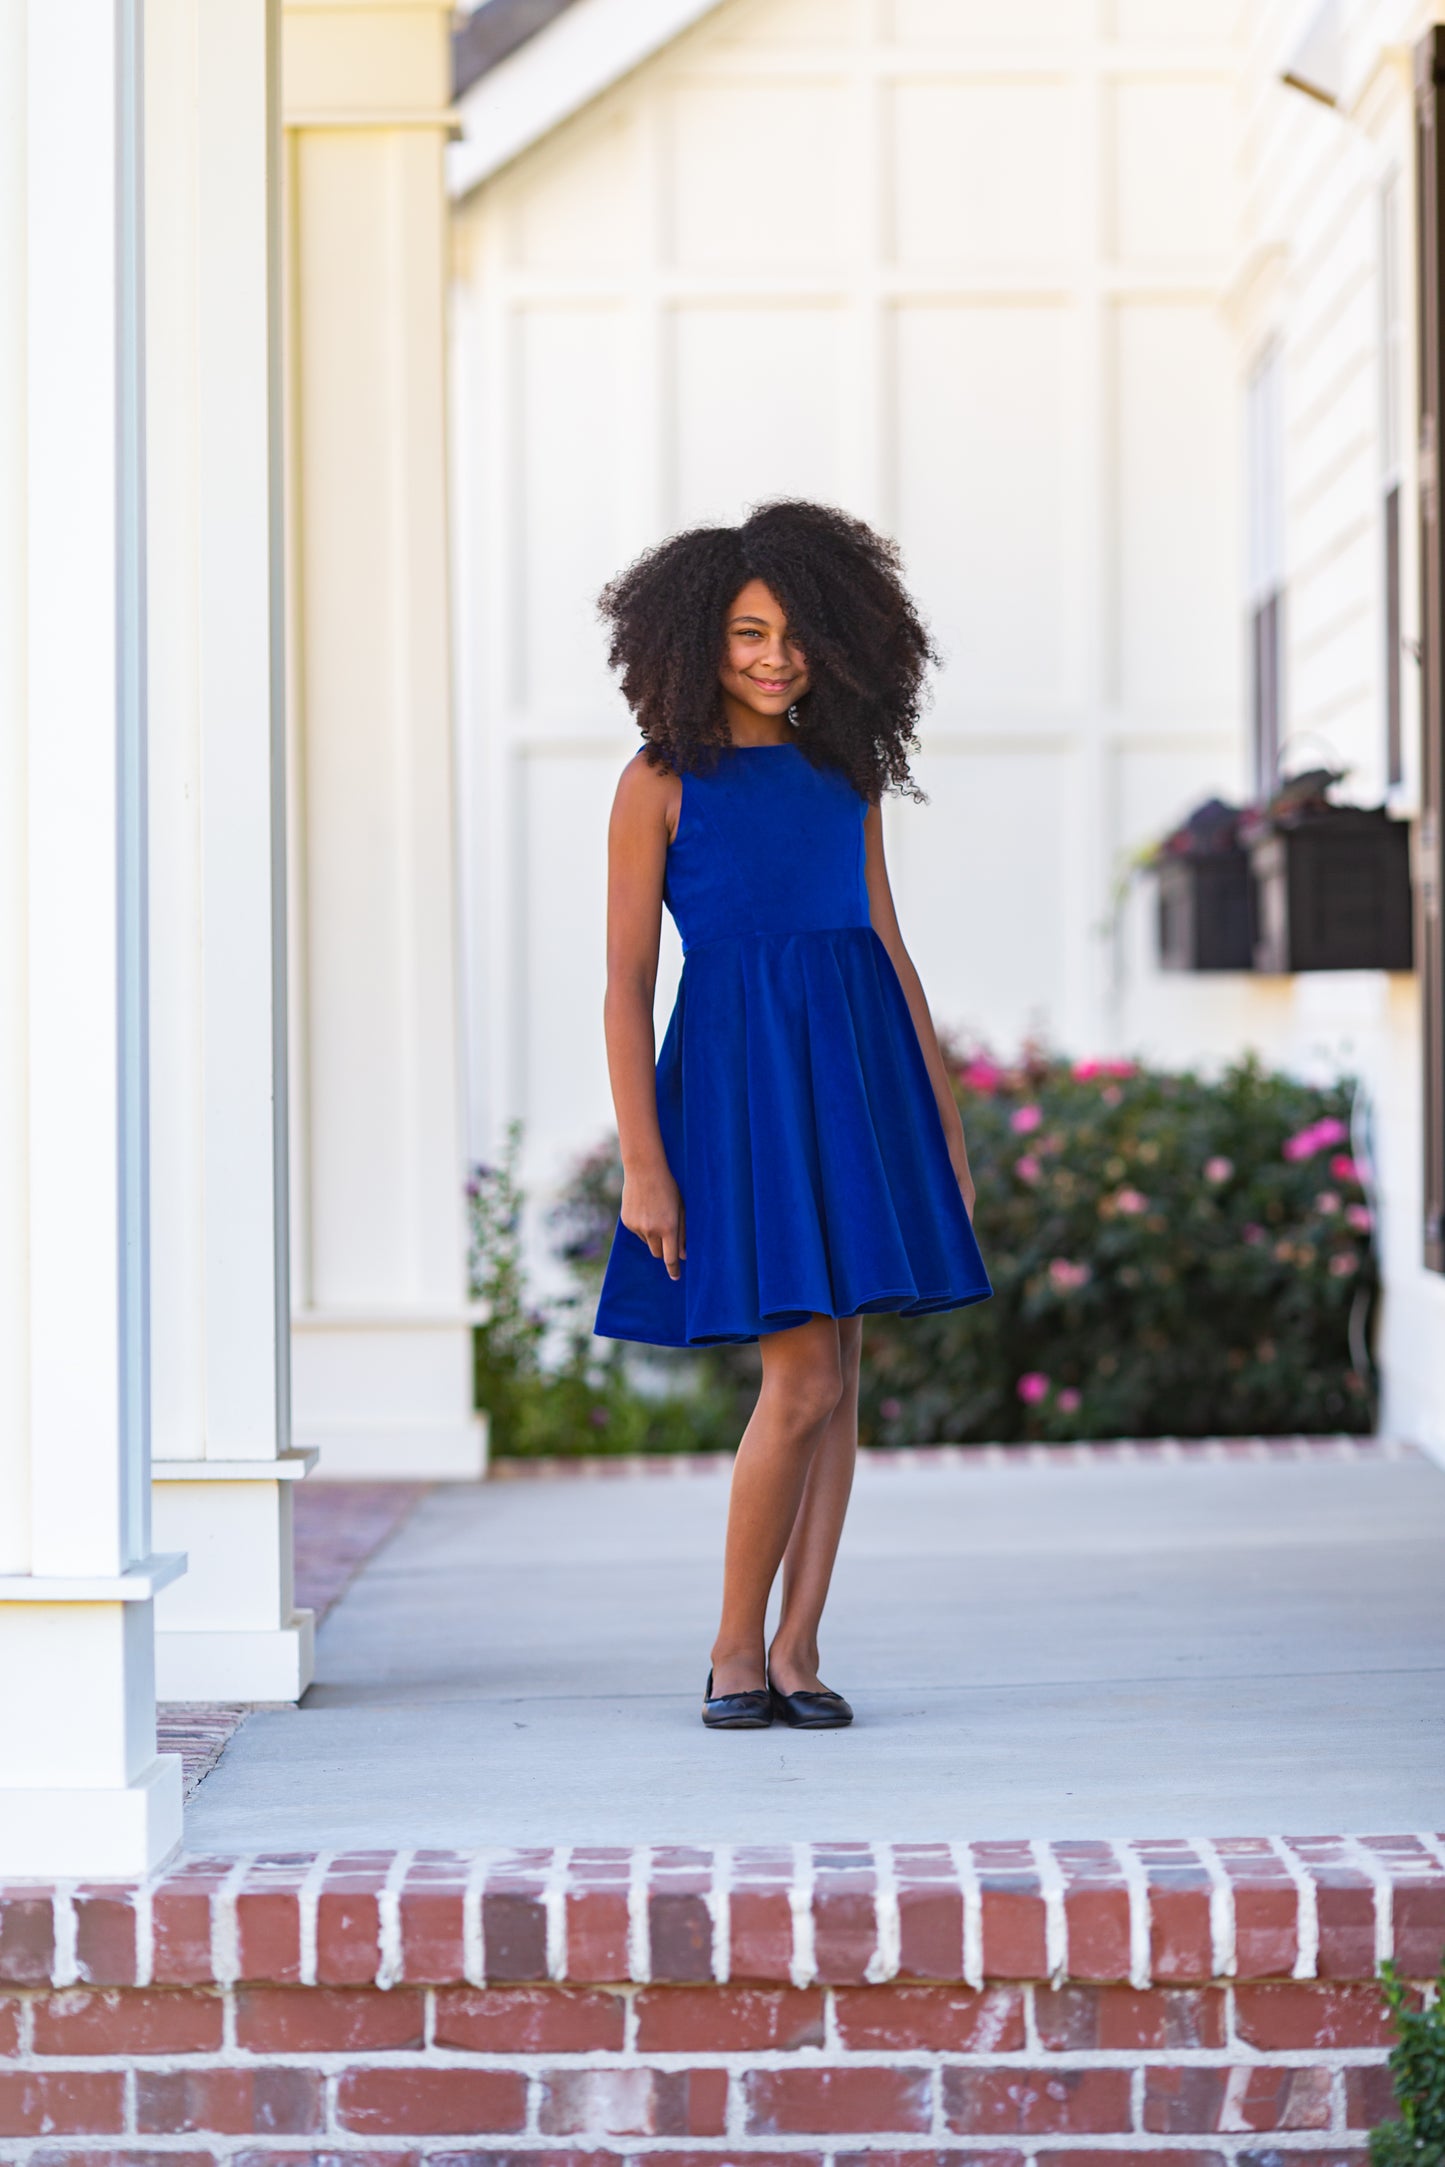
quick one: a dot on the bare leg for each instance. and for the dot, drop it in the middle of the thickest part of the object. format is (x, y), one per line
(817, 1530)
(802, 1386)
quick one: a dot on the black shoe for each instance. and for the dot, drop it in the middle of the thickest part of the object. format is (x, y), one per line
(750, 1711)
(820, 1711)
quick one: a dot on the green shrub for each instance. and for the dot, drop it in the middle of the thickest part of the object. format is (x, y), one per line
(1417, 2064)
(548, 1386)
(1170, 1255)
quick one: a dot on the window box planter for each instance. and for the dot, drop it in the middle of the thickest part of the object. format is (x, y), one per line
(1205, 895)
(1331, 890)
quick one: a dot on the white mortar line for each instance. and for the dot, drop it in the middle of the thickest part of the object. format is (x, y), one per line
(1056, 1925)
(388, 1914)
(474, 1957)
(1139, 1922)
(1224, 1954)
(967, 1874)
(65, 1970)
(554, 1905)
(639, 1939)
(887, 1954)
(145, 1938)
(800, 1904)
(720, 1910)
(225, 1933)
(307, 1901)
(1306, 1963)
(1374, 1866)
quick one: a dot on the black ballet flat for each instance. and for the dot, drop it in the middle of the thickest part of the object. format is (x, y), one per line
(820, 1711)
(750, 1711)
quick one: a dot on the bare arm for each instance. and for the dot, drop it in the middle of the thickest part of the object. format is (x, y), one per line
(644, 818)
(885, 925)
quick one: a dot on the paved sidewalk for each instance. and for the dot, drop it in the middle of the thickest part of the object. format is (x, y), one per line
(1100, 1650)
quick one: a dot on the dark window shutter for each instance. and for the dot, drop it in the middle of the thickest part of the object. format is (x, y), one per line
(1430, 176)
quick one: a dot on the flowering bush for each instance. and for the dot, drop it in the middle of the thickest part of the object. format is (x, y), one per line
(1170, 1255)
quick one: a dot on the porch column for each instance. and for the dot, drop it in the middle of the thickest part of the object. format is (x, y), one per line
(223, 1471)
(82, 1791)
(381, 1347)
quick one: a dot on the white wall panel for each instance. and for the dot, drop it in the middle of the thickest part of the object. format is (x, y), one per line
(1188, 21)
(978, 879)
(984, 22)
(1173, 191)
(569, 505)
(577, 209)
(1178, 520)
(767, 23)
(983, 466)
(759, 175)
(985, 173)
(757, 408)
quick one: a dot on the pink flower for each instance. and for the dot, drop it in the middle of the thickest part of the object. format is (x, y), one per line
(1086, 1071)
(1327, 1202)
(1342, 1264)
(1253, 1234)
(981, 1074)
(1069, 1401)
(1032, 1387)
(890, 1409)
(1217, 1170)
(1343, 1167)
(1067, 1276)
(1358, 1216)
(1027, 1168)
(1112, 1095)
(1306, 1142)
(1130, 1201)
(1025, 1119)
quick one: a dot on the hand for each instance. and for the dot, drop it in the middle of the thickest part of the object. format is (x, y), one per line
(958, 1157)
(652, 1210)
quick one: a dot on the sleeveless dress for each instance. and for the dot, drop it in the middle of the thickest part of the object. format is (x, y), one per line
(795, 1106)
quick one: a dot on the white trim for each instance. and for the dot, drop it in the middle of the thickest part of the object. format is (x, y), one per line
(581, 53)
(138, 1584)
(283, 1467)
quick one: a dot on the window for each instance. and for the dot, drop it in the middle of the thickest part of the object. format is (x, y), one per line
(1265, 557)
(1394, 437)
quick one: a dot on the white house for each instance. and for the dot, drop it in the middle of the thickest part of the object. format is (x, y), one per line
(1065, 294)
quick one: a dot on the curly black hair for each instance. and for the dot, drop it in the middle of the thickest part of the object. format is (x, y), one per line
(841, 587)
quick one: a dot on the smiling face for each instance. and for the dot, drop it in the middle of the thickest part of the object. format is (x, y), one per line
(762, 671)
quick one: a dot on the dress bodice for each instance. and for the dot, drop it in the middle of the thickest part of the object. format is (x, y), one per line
(766, 844)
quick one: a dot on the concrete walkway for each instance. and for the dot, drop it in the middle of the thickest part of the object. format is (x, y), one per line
(1127, 1650)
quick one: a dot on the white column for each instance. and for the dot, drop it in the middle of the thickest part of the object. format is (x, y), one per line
(82, 1790)
(223, 1468)
(381, 1346)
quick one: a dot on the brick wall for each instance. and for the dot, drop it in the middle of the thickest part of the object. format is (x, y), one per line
(1006, 2005)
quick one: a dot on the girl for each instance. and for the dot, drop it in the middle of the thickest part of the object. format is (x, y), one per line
(797, 1157)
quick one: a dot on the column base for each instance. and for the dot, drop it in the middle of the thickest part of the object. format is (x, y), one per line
(100, 1835)
(231, 1631)
(387, 1397)
(220, 1666)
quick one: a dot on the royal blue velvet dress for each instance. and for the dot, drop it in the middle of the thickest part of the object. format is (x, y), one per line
(795, 1106)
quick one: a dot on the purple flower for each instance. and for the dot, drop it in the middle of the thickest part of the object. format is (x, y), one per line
(1218, 1169)
(1069, 1400)
(1307, 1141)
(1358, 1216)
(1253, 1234)
(598, 1417)
(890, 1409)
(1032, 1387)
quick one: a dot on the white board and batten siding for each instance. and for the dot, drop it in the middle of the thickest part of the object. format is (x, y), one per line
(1326, 289)
(957, 267)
